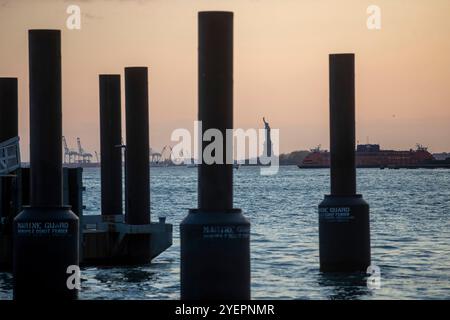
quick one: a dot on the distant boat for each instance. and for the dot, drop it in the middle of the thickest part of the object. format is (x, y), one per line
(371, 156)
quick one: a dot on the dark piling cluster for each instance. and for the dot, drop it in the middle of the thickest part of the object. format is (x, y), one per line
(215, 237)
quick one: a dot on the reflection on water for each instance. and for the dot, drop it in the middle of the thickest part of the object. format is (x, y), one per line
(108, 275)
(6, 283)
(344, 286)
(410, 233)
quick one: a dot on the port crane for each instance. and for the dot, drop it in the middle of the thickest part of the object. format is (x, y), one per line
(169, 157)
(83, 156)
(155, 157)
(70, 155)
(163, 157)
(166, 153)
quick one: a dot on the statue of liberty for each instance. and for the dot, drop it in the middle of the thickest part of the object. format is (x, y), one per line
(268, 142)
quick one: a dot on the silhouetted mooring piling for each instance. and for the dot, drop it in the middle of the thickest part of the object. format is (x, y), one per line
(344, 234)
(110, 140)
(137, 159)
(9, 167)
(8, 109)
(113, 238)
(138, 148)
(46, 232)
(215, 240)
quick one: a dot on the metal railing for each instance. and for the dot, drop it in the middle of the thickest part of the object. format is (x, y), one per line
(9, 156)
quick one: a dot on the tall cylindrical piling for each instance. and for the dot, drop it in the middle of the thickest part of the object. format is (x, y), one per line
(215, 98)
(45, 117)
(110, 140)
(9, 129)
(9, 184)
(137, 161)
(8, 109)
(46, 233)
(344, 233)
(215, 241)
(138, 146)
(342, 124)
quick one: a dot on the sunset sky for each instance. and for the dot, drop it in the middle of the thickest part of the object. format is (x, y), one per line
(281, 52)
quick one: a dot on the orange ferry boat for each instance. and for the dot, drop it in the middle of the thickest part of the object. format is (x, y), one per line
(371, 156)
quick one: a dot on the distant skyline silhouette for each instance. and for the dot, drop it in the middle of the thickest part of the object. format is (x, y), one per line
(280, 65)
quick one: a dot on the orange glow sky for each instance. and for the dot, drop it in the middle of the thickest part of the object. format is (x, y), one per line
(281, 65)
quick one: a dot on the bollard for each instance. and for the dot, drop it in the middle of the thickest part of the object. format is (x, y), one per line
(46, 232)
(215, 238)
(110, 140)
(344, 235)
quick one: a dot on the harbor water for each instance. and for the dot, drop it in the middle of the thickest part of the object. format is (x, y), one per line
(410, 235)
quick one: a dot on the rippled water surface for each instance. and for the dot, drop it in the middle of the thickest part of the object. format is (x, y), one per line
(410, 230)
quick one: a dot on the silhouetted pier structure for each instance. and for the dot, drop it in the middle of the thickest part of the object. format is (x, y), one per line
(344, 235)
(215, 238)
(112, 237)
(49, 238)
(45, 233)
(10, 173)
(110, 144)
